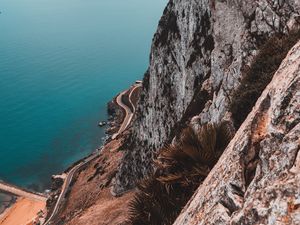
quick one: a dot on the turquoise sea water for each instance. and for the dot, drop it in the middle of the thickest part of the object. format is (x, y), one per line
(61, 61)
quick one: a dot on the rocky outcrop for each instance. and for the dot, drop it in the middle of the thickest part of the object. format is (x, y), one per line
(257, 179)
(116, 116)
(197, 60)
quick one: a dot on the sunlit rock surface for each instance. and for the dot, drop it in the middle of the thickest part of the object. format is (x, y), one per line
(198, 56)
(257, 180)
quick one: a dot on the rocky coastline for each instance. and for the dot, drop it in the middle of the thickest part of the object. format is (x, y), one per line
(211, 63)
(116, 116)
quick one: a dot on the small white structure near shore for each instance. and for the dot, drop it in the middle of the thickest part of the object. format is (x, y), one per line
(102, 124)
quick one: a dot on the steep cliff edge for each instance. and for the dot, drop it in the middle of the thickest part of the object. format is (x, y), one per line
(257, 178)
(199, 55)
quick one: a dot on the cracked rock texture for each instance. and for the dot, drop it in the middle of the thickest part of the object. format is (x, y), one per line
(198, 56)
(257, 179)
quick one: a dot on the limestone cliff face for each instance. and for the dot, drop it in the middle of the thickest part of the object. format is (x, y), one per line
(198, 56)
(257, 180)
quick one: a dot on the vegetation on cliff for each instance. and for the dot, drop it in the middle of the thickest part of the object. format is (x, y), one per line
(259, 75)
(180, 168)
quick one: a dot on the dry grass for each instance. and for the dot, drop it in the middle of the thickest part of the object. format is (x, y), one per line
(180, 169)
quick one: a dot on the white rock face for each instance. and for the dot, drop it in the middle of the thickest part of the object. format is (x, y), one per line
(198, 55)
(257, 179)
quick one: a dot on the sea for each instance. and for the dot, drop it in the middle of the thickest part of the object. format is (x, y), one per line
(61, 61)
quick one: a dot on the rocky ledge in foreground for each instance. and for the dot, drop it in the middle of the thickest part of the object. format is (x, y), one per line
(257, 179)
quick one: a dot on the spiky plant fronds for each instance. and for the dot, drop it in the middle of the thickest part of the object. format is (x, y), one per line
(200, 144)
(190, 160)
(180, 169)
(207, 137)
(156, 203)
(180, 164)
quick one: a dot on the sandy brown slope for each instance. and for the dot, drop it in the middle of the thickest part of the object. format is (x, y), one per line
(90, 201)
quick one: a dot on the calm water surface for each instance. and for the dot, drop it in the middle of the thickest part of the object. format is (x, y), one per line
(61, 61)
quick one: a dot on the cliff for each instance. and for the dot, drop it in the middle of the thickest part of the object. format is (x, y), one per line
(200, 53)
(257, 180)
(211, 61)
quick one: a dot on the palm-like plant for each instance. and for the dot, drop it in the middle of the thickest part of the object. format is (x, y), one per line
(191, 159)
(157, 203)
(180, 168)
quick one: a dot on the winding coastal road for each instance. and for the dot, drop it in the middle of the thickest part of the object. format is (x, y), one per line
(69, 177)
(128, 113)
(66, 185)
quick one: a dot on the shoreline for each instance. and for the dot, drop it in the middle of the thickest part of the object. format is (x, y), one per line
(114, 112)
(118, 121)
(35, 209)
(61, 187)
(112, 123)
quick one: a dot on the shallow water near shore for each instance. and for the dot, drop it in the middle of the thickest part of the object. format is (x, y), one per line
(61, 61)
(6, 201)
